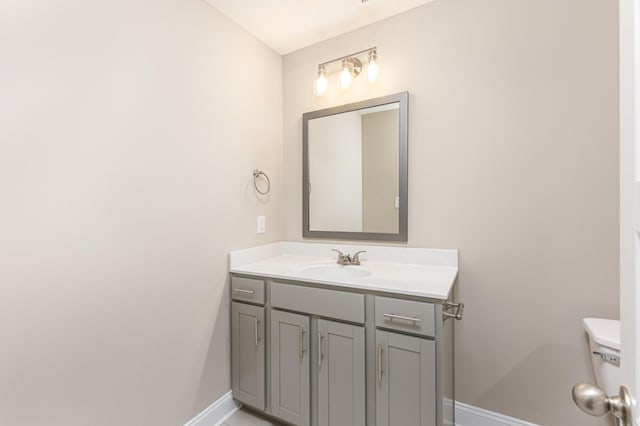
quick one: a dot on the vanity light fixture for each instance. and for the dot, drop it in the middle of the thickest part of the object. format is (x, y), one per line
(350, 68)
(372, 66)
(321, 81)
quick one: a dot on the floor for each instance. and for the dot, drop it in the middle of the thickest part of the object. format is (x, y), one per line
(244, 417)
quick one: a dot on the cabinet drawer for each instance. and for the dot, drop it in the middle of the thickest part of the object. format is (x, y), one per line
(247, 289)
(405, 315)
(319, 301)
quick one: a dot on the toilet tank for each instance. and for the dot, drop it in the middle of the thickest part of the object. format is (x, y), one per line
(604, 347)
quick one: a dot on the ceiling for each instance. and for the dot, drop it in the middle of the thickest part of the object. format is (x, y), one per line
(288, 25)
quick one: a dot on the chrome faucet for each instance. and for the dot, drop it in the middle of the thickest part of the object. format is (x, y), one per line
(347, 259)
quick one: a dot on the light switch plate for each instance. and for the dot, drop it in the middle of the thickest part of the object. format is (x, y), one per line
(261, 225)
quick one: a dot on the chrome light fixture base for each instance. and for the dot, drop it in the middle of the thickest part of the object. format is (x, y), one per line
(355, 66)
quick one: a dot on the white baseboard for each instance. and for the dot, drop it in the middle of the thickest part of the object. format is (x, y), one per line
(468, 415)
(216, 413)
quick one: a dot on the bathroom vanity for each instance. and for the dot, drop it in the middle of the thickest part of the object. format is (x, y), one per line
(317, 343)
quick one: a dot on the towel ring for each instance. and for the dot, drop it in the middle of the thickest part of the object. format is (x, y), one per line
(256, 174)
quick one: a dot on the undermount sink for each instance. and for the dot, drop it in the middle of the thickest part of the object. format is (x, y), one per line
(335, 271)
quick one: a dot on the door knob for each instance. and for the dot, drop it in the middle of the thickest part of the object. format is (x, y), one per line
(592, 400)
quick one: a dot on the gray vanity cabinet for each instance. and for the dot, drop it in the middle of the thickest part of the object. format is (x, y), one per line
(315, 355)
(247, 353)
(290, 387)
(341, 374)
(405, 380)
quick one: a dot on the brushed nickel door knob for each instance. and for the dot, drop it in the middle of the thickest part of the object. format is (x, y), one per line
(592, 400)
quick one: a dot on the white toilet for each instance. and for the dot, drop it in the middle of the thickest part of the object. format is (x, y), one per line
(604, 346)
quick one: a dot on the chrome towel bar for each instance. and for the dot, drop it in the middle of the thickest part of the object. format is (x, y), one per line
(448, 315)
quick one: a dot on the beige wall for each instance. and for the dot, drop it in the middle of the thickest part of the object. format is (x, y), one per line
(513, 161)
(128, 133)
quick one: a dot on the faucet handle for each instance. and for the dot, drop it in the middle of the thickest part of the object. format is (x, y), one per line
(356, 257)
(342, 258)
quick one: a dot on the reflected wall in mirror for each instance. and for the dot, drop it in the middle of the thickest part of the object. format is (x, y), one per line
(355, 170)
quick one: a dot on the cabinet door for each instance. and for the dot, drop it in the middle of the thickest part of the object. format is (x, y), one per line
(290, 367)
(247, 354)
(405, 380)
(341, 382)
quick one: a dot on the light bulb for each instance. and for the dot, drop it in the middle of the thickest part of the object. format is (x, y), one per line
(345, 75)
(372, 67)
(321, 81)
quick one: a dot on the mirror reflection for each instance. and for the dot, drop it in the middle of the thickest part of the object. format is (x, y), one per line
(355, 155)
(355, 176)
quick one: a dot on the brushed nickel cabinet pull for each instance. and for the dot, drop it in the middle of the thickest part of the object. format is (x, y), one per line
(243, 291)
(402, 317)
(301, 342)
(320, 339)
(379, 364)
(255, 323)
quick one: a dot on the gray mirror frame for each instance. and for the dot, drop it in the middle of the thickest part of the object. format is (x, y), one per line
(403, 100)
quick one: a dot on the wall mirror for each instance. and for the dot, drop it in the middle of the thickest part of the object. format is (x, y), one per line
(355, 170)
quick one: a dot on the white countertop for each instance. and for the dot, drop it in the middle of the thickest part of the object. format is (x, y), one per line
(419, 272)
